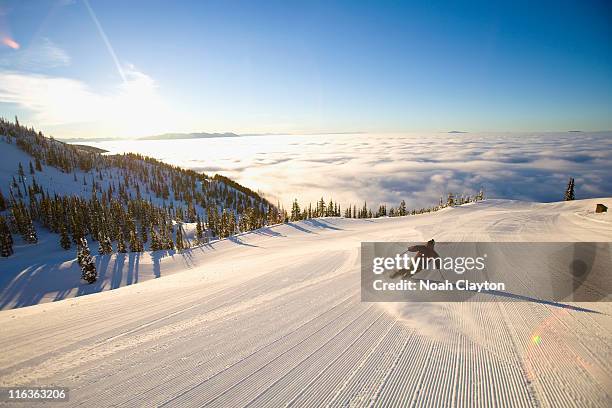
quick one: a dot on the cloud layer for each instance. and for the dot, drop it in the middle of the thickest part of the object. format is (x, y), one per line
(389, 168)
(132, 107)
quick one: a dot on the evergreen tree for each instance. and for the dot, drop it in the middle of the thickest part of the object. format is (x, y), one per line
(231, 223)
(6, 240)
(30, 235)
(105, 245)
(135, 243)
(85, 260)
(321, 208)
(569, 192)
(450, 201)
(180, 244)
(121, 247)
(168, 238)
(65, 239)
(199, 230)
(330, 209)
(481, 195)
(155, 241)
(295, 211)
(382, 211)
(401, 210)
(6, 248)
(2, 202)
(143, 233)
(272, 217)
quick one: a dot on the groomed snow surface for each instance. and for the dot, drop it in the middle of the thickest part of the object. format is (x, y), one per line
(274, 318)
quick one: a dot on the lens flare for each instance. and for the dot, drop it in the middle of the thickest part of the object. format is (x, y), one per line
(9, 42)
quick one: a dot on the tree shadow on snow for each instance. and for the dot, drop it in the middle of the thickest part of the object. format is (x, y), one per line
(322, 224)
(238, 241)
(267, 231)
(29, 288)
(57, 282)
(302, 229)
(133, 264)
(118, 271)
(156, 257)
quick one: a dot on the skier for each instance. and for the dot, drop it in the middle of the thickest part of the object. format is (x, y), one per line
(422, 251)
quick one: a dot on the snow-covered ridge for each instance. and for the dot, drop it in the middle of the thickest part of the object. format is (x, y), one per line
(49, 186)
(61, 164)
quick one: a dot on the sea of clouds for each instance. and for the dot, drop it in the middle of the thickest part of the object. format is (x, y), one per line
(419, 168)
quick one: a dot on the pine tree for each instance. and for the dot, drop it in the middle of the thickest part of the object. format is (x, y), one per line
(121, 247)
(6, 248)
(481, 195)
(321, 208)
(88, 268)
(180, 244)
(143, 233)
(450, 201)
(2, 202)
(135, 243)
(272, 217)
(569, 192)
(295, 211)
(199, 231)
(105, 245)
(155, 241)
(6, 241)
(65, 239)
(30, 235)
(401, 210)
(169, 240)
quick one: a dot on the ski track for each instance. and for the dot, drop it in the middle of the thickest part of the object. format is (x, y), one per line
(279, 322)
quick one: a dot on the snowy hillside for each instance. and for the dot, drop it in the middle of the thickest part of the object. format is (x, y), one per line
(54, 195)
(273, 318)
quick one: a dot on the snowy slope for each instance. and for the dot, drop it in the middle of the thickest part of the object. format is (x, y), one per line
(54, 181)
(273, 318)
(44, 272)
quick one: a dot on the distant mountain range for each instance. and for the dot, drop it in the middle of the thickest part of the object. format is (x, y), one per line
(165, 136)
(199, 135)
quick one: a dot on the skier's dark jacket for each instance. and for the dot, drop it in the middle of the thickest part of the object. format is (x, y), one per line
(425, 251)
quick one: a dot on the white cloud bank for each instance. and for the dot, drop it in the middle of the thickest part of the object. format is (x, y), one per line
(130, 108)
(389, 168)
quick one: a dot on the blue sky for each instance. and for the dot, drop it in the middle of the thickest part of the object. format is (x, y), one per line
(305, 67)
